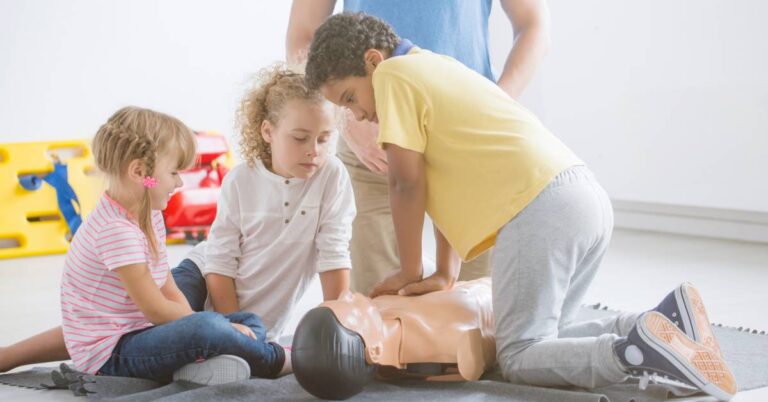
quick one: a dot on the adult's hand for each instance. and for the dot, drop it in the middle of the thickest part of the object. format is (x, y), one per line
(361, 138)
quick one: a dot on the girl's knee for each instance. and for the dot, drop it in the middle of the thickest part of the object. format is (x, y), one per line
(243, 316)
(250, 320)
(209, 330)
(204, 321)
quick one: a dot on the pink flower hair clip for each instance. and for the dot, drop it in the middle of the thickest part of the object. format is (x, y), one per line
(150, 182)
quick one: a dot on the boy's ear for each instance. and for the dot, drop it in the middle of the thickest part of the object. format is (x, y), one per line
(136, 171)
(266, 131)
(372, 59)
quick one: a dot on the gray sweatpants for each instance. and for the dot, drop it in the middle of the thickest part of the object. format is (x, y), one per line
(544, 260)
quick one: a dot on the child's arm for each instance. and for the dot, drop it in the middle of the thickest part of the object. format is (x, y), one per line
(448, 266)
(334, 282)
(407, 198)
(337, 211)
(221, 290)
(447, 260)
(224, 245)
(172, 292)
(148, 297)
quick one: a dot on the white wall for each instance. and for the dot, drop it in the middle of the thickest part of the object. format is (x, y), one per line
(666, 100)
(65, 66)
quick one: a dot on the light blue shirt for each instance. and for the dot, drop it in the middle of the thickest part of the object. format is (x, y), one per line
(457, 28)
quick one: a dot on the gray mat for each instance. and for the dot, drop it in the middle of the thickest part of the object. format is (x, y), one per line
(745, 350)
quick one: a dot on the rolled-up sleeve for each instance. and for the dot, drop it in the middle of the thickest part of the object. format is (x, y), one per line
(336, 216)
(223, 250)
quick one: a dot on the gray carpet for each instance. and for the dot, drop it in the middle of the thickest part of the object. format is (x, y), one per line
(745, 350)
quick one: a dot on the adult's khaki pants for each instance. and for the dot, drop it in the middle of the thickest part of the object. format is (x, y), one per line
(373, 246)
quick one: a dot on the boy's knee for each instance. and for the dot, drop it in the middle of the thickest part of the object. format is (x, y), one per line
(509, 365)
(509, 357)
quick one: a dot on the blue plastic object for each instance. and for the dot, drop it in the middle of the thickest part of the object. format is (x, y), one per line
(65, 195)
(30, 182)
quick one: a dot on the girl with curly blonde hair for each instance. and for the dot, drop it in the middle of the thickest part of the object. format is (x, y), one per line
(284, 215)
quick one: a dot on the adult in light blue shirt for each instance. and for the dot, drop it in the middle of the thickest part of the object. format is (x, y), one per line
(457, 28)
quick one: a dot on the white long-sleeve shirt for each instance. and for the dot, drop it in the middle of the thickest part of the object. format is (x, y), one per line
(272, 235)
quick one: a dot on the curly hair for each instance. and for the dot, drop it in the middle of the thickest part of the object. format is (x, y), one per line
(339, 45)
(274, 87)
(135, 133)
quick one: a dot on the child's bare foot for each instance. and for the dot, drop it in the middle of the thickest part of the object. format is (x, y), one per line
(287, 365)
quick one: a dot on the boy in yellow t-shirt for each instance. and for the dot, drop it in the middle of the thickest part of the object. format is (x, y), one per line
(490, 174)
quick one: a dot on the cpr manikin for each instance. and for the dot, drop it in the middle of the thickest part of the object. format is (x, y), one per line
(340, 345)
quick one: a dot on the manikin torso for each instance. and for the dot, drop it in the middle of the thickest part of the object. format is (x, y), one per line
(449, 326)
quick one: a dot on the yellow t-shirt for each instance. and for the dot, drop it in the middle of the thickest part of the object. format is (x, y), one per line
(486, 156)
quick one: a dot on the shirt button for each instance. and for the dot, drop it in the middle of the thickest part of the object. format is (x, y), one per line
(303, 212)
(286, 203)
(286, 221)
(287, 182)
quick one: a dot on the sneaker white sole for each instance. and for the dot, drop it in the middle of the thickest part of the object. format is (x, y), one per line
(695, 318)
(700, 364)
(220, 369)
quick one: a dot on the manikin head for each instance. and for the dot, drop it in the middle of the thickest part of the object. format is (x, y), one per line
(329, 360)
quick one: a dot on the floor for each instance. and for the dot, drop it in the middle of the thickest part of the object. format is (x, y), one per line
(639, 269)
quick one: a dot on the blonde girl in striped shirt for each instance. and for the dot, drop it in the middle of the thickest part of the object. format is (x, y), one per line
(122, 313)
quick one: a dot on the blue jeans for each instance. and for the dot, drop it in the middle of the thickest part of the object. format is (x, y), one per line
(191, 282)
(156, 352)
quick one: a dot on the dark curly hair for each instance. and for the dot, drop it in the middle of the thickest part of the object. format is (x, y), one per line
(339, 45)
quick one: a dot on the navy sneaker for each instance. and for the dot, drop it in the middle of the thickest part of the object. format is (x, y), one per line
(657, 347)
(221, 369)
(685, 308)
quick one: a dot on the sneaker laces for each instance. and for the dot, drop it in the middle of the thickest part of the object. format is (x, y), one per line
(646, 378)
(672, 385)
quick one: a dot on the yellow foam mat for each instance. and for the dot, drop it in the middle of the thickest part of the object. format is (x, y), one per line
(30, 221)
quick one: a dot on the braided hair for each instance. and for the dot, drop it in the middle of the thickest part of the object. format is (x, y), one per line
(134, 133)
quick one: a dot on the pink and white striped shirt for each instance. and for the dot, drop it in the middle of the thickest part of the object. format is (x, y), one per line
(95, 307)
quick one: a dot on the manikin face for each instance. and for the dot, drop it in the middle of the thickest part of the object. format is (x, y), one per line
(354, 92)
(299, 140)
(168, 180)
(356, 313)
